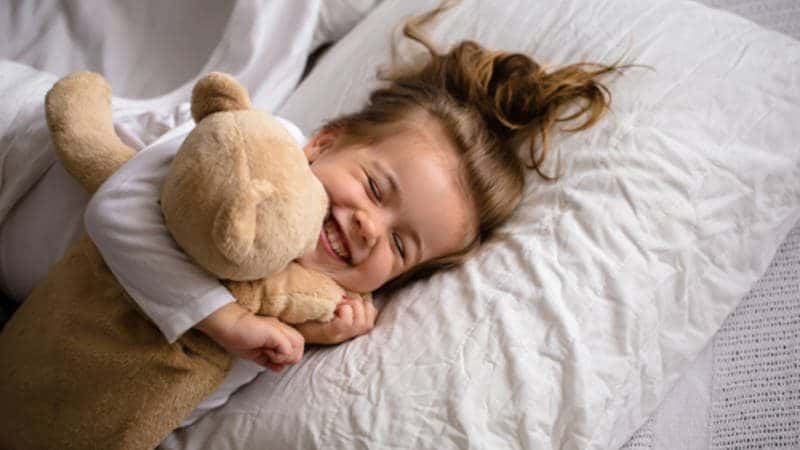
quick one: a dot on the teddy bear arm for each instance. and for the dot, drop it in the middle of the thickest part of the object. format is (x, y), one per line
(283, 297)
(299, 307)
(78, 112)
(296, 295)
(248, 294)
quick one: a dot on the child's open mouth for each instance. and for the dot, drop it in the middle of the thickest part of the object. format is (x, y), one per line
(335, 240)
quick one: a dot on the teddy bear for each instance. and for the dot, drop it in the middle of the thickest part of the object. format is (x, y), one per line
(82, 366)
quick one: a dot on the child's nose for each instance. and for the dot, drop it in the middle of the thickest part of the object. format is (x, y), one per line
(366, 228)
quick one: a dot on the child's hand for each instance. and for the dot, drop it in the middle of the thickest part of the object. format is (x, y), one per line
(353, 317)
(264, 340)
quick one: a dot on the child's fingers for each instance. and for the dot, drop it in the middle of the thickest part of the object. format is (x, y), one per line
(274, 367)
(365, 314)
(281, 344)
(267, 361)
(344, 312)
(277, 358)
(294, 355)
(359, 316)
(297, 353)
(271, 355)
(294, 336)
(297, 342)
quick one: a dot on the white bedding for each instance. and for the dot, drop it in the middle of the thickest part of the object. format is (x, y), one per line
(452, 363)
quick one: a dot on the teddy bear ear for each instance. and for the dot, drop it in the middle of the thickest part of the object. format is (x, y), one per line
(234, 228)
(216, 92)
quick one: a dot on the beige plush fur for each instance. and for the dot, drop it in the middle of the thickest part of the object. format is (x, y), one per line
(81, 367)
(240, 198)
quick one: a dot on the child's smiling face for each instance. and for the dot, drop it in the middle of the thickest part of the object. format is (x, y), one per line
(394, 204)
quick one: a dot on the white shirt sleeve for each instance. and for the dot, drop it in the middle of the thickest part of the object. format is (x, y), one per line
(125, 222)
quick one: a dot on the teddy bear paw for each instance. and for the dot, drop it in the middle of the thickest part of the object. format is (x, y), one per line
(80, 95)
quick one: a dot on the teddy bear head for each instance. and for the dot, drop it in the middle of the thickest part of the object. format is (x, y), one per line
(240, 198)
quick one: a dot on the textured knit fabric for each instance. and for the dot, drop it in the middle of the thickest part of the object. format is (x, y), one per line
(755, 399)
(779, 15)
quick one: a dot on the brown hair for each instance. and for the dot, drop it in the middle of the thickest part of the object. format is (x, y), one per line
(489, 102)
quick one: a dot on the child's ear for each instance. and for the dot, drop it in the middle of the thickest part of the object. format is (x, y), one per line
(320, 143)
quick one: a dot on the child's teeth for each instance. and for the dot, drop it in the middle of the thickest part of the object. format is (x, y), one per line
(336, 244)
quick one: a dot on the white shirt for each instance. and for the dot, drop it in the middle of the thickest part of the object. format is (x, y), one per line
(124, 220)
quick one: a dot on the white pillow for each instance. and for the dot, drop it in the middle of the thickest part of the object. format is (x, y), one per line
(568, 330)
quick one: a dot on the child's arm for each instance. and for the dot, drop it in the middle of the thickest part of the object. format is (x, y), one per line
(264, 340)
(125, 222)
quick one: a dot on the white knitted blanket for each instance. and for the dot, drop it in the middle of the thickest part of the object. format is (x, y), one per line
(744, 389)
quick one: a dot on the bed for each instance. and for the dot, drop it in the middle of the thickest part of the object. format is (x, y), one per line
(740, 389)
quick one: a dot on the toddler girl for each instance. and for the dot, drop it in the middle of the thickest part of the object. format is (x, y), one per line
(417, 180)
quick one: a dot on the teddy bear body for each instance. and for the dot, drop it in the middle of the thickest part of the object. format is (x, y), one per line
(91, 371)
(82, 367)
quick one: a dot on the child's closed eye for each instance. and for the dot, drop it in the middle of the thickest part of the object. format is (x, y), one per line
(373, 187)
(376, 192)
(399, 244)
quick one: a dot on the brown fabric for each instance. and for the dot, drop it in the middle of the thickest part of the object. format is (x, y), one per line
(97, 374)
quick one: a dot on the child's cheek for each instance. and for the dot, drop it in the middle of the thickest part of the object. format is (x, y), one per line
(374, 273)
